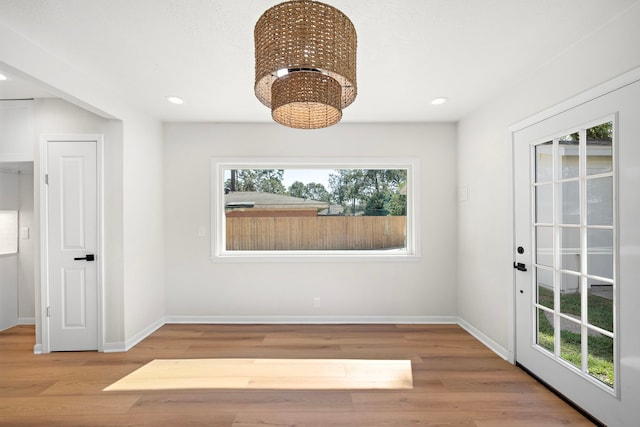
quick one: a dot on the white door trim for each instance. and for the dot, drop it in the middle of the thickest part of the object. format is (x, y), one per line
(43, 322)
(612, 85)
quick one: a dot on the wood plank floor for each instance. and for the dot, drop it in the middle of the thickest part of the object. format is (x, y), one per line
(268, 374)
(456, 381)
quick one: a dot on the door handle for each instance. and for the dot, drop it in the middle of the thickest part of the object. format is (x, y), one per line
(519, 266)
(89, 257)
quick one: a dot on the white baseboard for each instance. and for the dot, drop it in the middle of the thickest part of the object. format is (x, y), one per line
(491, 344)
(347, 320)
(114, 347)
(26, 321)
(336, 320)
(131, 342)
(37, 349)
(119, 347)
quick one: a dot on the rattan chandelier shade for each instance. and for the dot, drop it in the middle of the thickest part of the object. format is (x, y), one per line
(305, 54)
(306, 100)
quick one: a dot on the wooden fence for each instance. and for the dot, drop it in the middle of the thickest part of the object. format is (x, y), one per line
(315, 233)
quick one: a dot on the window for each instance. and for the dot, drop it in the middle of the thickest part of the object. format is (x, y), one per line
(283, 209)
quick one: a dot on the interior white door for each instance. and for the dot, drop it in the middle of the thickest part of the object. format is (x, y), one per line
(576, 209)
(72, 245)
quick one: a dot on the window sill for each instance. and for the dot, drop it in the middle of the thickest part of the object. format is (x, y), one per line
(311, 256)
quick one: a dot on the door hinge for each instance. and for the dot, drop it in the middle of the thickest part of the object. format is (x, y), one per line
(48, 311)
(46, 179)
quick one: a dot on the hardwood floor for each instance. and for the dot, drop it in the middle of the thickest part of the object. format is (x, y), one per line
(457, 381)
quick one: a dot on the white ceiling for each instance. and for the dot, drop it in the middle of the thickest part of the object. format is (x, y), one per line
(409, 51)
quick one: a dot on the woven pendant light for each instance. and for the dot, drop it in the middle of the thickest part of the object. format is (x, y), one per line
(305, 63)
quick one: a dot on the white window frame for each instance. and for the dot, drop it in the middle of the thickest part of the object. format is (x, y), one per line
(218, 224)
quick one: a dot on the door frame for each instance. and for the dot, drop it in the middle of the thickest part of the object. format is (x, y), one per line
(609, 86)
(42, 322)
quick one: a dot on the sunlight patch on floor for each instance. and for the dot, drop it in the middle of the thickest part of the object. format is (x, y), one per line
(285, 374)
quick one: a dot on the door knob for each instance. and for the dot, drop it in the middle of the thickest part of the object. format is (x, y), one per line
(519, 266)
(89, 257)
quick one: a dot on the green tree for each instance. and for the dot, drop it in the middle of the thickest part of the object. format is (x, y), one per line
(297, 189)
(270, 181)
(378, 190)
(261, 180)
(347, 186)
(315, 191)
(375, 205)
(311, 191)
(397, 205)
(601, 132)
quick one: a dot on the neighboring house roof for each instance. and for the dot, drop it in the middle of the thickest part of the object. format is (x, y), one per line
(246, 199)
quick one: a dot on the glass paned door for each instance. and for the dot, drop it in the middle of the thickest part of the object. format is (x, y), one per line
(572, 183)
(576, 218)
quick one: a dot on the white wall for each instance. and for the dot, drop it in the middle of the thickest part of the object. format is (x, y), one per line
(485, 246)
(9, 200)
(16, 130)
(134, 285)
(200, 290)
(133, 281)
(143, 238)
(55, 116)
(16, 145)
(26, 273)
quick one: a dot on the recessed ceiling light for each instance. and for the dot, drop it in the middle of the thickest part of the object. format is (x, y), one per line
(438, 101)
(175, 100)
(3, 77)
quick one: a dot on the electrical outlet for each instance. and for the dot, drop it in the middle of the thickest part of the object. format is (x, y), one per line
(316, 302)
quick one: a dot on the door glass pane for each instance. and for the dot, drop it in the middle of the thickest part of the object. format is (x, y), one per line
(600, 201)
(600, 253)
(568, 150)
(545, 330)
(600, 357)
(599, 153)
(545, 287)
(570, 347)
(544, 204)
(569, 248)
(574, 253)
(600, 304)
(570, 299)
(544, 246)
(544, 162)
(569, 202)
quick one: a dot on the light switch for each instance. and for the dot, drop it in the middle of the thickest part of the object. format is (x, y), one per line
(202, 231)
(463, 193)
(25, 233)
